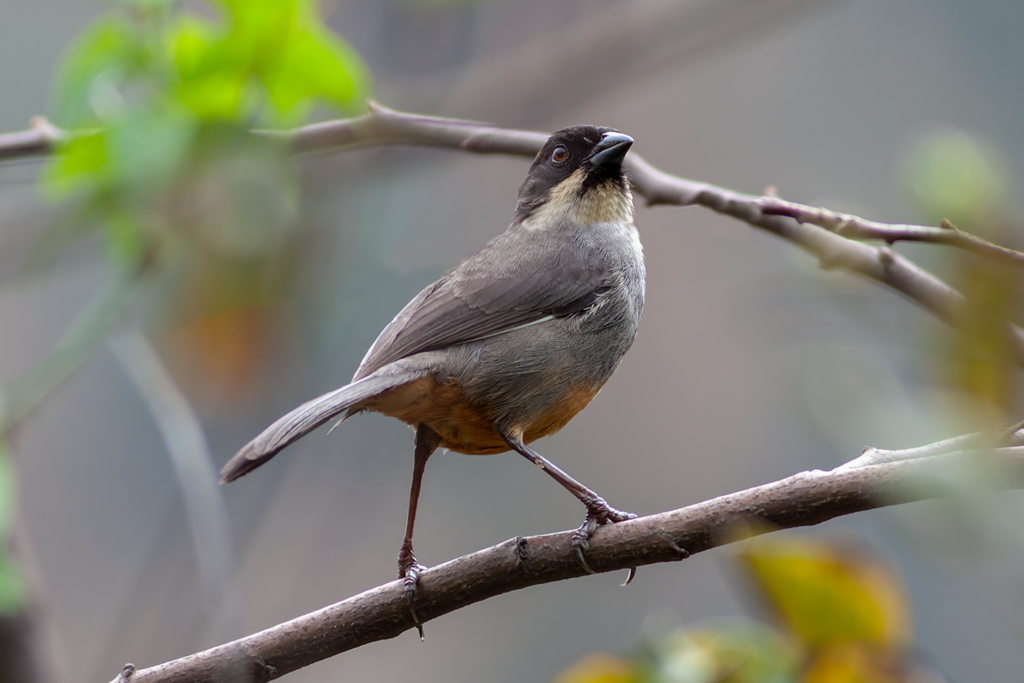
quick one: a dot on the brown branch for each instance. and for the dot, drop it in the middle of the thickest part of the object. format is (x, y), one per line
(855, 227)
(38, 140)
(382, 126)
(833, 251)
(805, 499)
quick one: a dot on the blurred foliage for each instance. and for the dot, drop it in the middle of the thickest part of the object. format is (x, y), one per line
(13, 590)
(827, 595)
(841, 616)
(962, 180)
(161, 160)
(956, 176)
(166, 100)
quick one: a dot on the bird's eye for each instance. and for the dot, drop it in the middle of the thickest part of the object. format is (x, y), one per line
(560, 154)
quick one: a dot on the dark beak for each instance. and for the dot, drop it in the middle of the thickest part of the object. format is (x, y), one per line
(611, 150)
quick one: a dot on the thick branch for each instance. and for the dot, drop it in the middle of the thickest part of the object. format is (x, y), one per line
(802, 500)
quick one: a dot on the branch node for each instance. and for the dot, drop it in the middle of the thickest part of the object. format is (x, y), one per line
(521, 550)
(126, 673)
(268, 670)
(682, 552)
(841, 224)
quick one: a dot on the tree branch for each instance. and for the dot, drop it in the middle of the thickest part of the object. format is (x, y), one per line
(814, 230)
(381, 126)
(804, 499)
(854, 227)
(38, 140)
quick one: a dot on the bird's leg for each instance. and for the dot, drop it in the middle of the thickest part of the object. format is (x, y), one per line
(598, 510)
(427, 441)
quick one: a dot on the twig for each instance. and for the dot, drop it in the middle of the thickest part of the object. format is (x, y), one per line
(855, 227)
(802, 500)
(382, 126)
(1011, 436)
(38, 140)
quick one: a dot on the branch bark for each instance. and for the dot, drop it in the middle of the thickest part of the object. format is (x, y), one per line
(39, 140)
(804, 499)
(807, 227)
(855, 227)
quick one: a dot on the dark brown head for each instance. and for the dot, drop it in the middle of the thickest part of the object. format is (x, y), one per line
(578, 175)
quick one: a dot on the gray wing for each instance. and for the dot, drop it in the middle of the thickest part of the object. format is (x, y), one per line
(521, 277)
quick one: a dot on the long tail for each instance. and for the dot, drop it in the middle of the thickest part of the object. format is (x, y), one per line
(312, 414)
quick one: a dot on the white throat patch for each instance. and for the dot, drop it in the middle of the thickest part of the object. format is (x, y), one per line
(565, 203)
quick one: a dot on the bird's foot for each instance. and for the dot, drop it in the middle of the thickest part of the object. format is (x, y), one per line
(409, 571)
(599, 512)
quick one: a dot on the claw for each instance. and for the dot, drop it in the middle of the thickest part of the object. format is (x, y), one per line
(416, 620)
(599, 513)
(409, 569)
(579, 556)
(630, 576)
(412, 576)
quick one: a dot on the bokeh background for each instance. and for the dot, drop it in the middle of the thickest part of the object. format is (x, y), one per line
(751, 363)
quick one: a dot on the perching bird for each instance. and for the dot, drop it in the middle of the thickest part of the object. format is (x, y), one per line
(514, 341)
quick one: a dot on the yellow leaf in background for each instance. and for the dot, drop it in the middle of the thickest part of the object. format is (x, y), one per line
(599, 667)
(845, 664)
(825, 594)
(866, 663)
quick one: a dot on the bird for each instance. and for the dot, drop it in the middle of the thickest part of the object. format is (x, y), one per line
(513, 342)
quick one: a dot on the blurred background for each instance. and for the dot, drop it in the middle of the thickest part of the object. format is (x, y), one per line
(751, 363)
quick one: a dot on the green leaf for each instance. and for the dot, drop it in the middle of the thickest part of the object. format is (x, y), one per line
(78, 162)
(210, 78)
(12, 583)
(315, 64)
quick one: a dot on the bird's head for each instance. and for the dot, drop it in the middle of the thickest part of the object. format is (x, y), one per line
(578, 176)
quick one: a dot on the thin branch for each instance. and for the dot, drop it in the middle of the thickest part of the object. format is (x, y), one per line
(383, 126)
(855, 227)
(38, 140)
(992, 438)
(805, 499)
